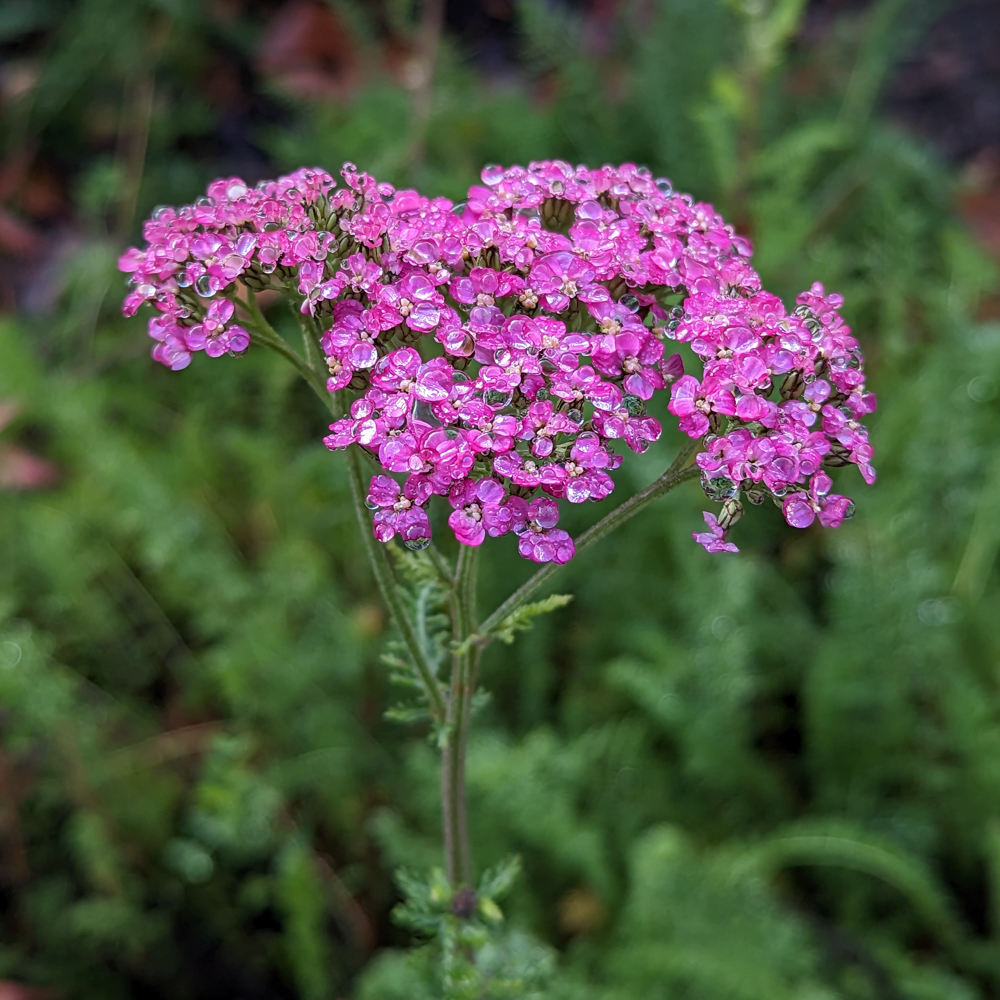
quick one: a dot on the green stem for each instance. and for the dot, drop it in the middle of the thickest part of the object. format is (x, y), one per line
(310, 337)
(263, 333)
(389, 588)
(454, 811)
(674, 476)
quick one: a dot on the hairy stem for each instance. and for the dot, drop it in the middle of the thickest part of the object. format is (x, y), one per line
(454, 813)
(263, 333)
(674, 476)
(389, 589)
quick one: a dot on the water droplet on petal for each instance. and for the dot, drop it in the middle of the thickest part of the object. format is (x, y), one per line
(492, 174)
(459, 208)
(575, 415)
(719, 488)
(160, 211)
(245, 244)
(371, 504)
(423, 412)
(529, 213)
(205, 201)
(497, 399)
(635, 406)
(664, 186)
(183, 279)
(850, 510)
(205, 286)
(416, 544)
(629, 302)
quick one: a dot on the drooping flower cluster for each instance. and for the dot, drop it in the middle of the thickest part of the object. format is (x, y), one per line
(499, 351)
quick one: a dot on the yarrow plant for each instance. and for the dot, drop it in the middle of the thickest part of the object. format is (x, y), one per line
(503, 354)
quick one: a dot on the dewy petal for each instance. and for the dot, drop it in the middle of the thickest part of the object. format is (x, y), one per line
(363, 354)
(413, 524)
(798, 510)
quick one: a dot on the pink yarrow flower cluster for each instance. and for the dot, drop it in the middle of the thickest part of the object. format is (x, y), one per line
(502, 351)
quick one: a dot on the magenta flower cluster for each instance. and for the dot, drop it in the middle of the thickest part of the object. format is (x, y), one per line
(499, 351)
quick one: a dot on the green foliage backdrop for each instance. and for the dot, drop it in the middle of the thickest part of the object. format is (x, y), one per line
(769, 776)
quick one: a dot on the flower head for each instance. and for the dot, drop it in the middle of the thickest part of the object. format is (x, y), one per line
(494, 352)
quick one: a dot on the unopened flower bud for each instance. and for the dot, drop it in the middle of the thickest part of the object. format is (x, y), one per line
(732, 511)
(838, 457)
(792, 386)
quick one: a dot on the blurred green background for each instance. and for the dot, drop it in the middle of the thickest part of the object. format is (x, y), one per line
(762, 777)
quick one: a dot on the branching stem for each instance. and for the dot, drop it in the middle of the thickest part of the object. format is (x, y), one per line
(467, 639)
(674, 476)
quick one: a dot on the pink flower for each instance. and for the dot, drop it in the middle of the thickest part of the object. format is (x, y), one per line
(692, 401)
(631, 355)
(403, 371)
(539, 539)
(713, 540)
(398, 511)
(586, 478)
(541, 424)
(801, 509)
(558, 278)
(477, 506)
(413, 300)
